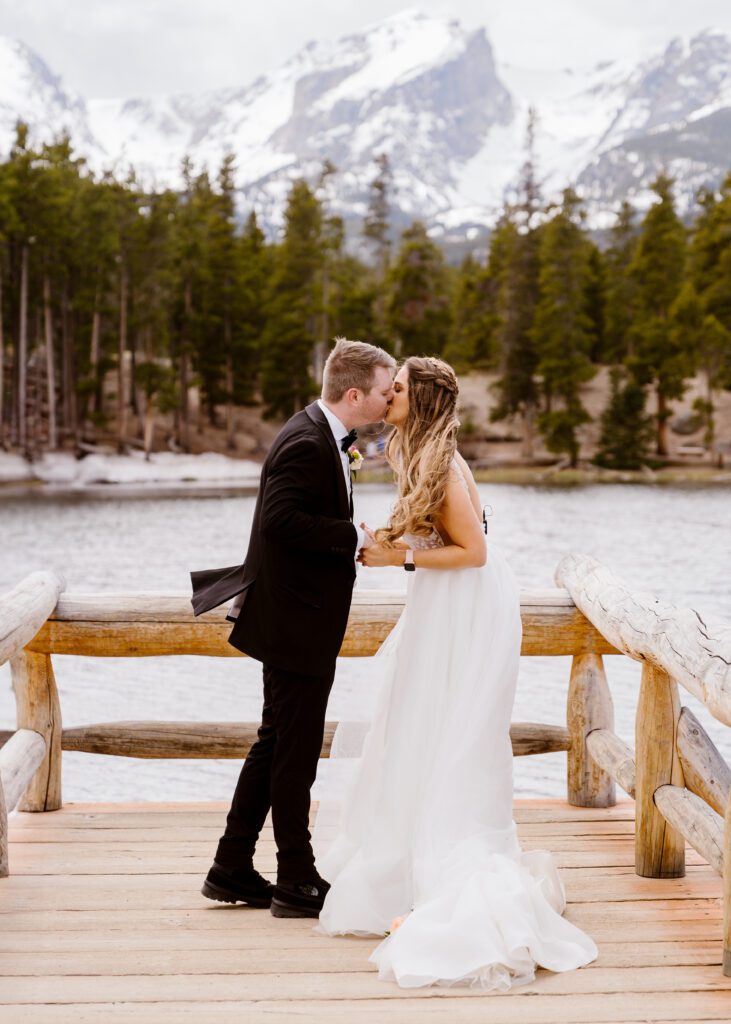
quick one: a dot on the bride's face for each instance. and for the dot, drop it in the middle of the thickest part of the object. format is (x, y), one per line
(398, 410)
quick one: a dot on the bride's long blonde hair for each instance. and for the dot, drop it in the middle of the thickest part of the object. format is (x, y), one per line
(421, 452)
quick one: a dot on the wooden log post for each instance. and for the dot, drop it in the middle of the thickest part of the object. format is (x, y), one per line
(4, 863)
(659, 848)
(38, 708)
(589, 706)
(727, 890)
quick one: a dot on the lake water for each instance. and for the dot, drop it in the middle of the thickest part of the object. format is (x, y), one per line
(674, 541)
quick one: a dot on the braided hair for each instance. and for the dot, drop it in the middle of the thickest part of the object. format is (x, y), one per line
(421, 453)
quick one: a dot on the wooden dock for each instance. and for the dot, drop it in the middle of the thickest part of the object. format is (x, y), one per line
(102, 920)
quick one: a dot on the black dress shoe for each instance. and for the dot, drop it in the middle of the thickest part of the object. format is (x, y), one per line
(237, 885)
(299, 899)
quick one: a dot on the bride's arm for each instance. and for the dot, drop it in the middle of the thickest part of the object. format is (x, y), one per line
(466, 548)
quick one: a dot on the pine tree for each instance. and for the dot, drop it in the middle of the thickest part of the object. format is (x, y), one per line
(710, 252)
(255, 270)
(513, 269)
(471, 344)
(626, 429)
(620, 287)
(293, 307)
(7, 226)
(658, 357)
(711, 271)
(23, 180)
(418, 309)
(562, 329)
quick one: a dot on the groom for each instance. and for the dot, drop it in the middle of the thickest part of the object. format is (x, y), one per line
(293, 597)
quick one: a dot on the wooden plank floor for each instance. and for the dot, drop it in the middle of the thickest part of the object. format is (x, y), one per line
(102, 920)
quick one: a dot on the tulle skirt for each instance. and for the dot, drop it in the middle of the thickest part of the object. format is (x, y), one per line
(424, 827)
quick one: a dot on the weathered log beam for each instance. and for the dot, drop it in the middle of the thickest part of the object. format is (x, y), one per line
(678, 640)
(142, 625)
(704, 769)
(588, 707)
(24, 609)
(694, 819)
(234, 740)
(659, 848)
(20, 758)
(614, 756)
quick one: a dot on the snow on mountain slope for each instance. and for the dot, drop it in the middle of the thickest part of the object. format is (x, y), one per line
(430, 94)
(675, 117)
(30, 92)
(420, 88)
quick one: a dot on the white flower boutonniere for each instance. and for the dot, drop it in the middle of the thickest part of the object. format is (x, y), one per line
(355, 459)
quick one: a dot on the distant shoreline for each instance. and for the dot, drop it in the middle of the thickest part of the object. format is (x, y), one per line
(520, 476)
(536, 476)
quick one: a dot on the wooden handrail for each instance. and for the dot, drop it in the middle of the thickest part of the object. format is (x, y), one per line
(24, 609)
(677, 640)
(148, 625)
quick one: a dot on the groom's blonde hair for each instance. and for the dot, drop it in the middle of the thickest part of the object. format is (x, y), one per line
(352, 364)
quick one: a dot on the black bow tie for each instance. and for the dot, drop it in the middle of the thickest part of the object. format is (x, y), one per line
(348, 440)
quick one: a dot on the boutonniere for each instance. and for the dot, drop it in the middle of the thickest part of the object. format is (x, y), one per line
(354, 458)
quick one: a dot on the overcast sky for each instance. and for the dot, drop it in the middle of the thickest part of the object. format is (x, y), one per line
(107, 48)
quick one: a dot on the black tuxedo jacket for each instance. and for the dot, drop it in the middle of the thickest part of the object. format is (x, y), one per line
(300, 567)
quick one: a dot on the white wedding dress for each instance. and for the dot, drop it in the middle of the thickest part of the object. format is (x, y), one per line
(425, 827)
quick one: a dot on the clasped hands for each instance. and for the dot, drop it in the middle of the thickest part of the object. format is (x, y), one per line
(375, 555)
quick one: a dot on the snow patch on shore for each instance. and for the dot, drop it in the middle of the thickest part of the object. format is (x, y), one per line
(162, 467)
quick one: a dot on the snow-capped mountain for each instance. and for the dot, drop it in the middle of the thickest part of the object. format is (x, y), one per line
(420, 88)
(432, 95)
(29, 91)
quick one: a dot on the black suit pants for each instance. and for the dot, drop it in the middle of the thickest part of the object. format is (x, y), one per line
(279, 773)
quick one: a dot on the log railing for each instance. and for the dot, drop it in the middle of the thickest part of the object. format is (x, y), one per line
(25, 758)
(680, 782)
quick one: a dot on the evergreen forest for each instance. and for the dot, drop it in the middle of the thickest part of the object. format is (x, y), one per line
(115, 302)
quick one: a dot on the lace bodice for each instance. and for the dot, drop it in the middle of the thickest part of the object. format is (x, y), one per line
(433, 540)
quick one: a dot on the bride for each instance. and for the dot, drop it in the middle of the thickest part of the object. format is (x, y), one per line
(425, 849)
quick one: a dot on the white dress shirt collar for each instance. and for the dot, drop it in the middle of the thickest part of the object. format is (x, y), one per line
(339, 430)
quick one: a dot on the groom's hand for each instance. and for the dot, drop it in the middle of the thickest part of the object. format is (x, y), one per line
(377, 555)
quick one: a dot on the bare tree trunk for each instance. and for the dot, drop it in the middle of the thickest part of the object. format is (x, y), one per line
(528, 430)
(96, 322)
(69, 391)
(230, 418)
(662, 424)
(149, 425)
(23, 348)
(121, 388)
(50, 368)
(184, 434)
(320, 353)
